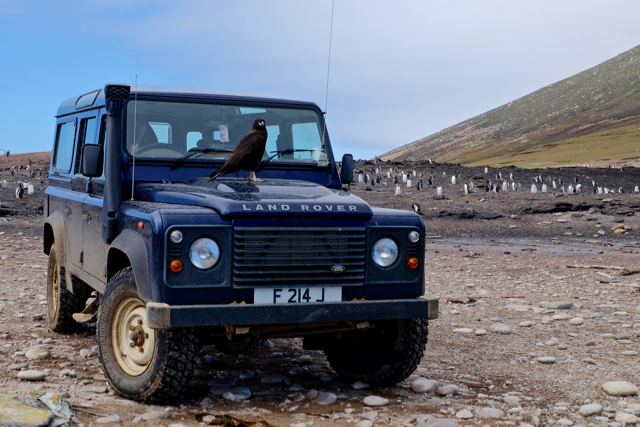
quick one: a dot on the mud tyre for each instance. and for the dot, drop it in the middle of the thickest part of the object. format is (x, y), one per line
(61, 303)
(141, 363)
(380, 356)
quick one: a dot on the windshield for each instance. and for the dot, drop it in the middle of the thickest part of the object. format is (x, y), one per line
(170, 130)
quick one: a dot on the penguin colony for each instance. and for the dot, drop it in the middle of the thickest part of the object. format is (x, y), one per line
(407, 181)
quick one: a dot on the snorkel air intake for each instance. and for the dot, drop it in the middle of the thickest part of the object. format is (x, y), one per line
(115, 97)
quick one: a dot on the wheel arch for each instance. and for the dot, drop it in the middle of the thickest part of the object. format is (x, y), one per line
(54, 233)
(130, 250)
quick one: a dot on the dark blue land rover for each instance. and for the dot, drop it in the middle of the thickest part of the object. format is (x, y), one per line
(176, 260)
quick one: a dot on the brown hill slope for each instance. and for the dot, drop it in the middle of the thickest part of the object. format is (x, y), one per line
(600, 99)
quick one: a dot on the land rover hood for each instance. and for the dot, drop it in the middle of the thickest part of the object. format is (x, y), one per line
(240, 198)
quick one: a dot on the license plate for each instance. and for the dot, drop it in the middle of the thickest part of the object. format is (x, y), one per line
(296, 295)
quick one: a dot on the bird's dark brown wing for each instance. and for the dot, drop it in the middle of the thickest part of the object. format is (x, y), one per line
(247, 155)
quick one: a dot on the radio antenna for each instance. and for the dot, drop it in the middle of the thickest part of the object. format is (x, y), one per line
(326, 95)
(135, 130)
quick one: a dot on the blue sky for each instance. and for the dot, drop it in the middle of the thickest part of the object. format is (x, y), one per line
(399, 70)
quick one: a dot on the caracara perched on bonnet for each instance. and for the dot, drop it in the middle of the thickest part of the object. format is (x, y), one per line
(248, 153)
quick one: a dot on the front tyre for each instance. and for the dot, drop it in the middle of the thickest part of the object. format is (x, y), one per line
(382, 356)
(141, 363)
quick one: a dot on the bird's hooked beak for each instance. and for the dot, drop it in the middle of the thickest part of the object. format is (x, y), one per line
(261, 123)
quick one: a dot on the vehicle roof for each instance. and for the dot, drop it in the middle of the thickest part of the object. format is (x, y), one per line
(69, 106)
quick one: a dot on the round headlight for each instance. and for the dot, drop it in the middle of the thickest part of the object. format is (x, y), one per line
(175, 236)
(413, 236)
(385, 252)
(204, 253)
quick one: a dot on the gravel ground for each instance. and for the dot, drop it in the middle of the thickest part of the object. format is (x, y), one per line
(534, 363)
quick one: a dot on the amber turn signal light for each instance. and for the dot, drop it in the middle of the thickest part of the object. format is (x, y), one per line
(140, 225)
(412, 263)
(175, 266)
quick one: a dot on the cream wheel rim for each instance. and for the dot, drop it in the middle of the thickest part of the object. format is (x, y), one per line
(133, 340)
(55, 288)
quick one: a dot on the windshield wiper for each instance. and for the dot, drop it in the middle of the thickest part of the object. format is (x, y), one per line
(195, 152)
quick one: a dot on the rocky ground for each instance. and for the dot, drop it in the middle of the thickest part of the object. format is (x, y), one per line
(538, 312)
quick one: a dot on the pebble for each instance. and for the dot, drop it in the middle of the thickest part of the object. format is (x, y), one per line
(576, 321)
(561, 317)
(423, 385)
(370, 415)
(448, 389)
(219, 390)
(564, 422)
(629, 353)
(17, 366)
(375, 401)
(246, 376)
(325, 398)
(66, 364)
(237, 394)
(37, 352)
(463, 331)
(359, 385)
(295, 371)
(560, 305)
(490, 413)
(480, 332)
(155, 415)
(272, 380)
(111, 419)
(296, 387)
(592, 409)
(619, 388)
(622, 336)
(276, 355)
(99, 389)
(364, 423)
(546, 359)
(311, 394)
(85, 353)
(527, 323)
(626, 418)
(326, 378)
(464, 414)
(305, 359)
(31, 375)
(511, 400)
(501, 328)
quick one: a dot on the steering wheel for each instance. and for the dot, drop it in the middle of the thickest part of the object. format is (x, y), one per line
(156, 147)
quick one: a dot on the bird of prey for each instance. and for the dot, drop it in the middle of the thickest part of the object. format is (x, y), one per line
(248, 153)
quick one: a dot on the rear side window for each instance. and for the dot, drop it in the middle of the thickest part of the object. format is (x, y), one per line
(162, 131)
(63, 152)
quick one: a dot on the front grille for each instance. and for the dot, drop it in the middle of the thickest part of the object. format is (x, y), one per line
(298, 256)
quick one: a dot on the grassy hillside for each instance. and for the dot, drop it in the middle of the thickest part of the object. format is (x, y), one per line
(547, 127)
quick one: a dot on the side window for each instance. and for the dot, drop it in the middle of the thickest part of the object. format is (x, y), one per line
(87, 135)
(162, 131)
(306, 137)
(63, 152)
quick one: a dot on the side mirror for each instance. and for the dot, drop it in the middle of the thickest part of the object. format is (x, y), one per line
(92, 159)
(346, 173)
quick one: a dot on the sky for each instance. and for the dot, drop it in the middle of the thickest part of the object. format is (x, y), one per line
(399, 71)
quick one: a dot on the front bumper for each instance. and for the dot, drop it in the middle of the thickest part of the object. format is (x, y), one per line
(164, 316)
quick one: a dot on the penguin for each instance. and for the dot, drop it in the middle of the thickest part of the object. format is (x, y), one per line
(430, 181)
(534, 188)
(366, 178)
(12, 172)
(570, 189)
(505, 185)
(408, 183)
(593, 183)
(553, 183)
(486, 169)
(5, 184)
(373, 182)
(439, 191)
(635, 190)
(19, 192)
(388, 175)
(511, 176)
(379, 178)
(499, 176)
(360, 178)
(466, 188)
(444, 174)
(620, 190)
(453, 179)
(575, 179)
(398, 190)
(419, 185)
(471, 186)
(415, 207)
(404, 178)
(496, 188)
(414, 173)
(377, 171)
(395, 180)
(544, 188)
(579, 188)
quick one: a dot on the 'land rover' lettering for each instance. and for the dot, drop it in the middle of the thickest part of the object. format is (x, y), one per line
(352, 208)
(305, 207)
(245, 208)
(341, 208)
(329, 207)
(273, 207)
(284, 207)
(317, 208)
